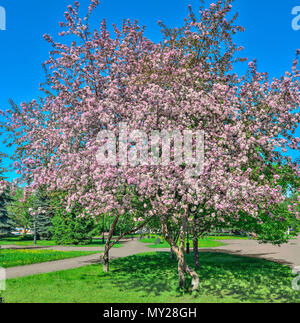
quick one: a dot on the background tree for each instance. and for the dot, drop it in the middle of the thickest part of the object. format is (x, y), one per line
(43, 214)
(86, 79)
(69, 229)
(6, 223)
(19, 208)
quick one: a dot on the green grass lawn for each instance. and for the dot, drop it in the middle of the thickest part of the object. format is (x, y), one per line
(152, 278)
(12, 258)
(164, 244)
(202, 243)
(19, 242)
(228, 237)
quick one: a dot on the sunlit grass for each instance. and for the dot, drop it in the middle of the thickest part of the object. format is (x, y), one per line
(12, 258)
(202, 243)
(152, 278)
(17, 241)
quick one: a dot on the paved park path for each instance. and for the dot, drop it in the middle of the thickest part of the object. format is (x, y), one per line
(288, 254)
(128, 248)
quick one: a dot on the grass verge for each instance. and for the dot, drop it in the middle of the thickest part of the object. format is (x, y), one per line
(17, 241)
(21, 257)
(152, 278)
(202, 243)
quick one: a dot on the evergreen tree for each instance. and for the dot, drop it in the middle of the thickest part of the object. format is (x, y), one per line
(6, 223)
(43, 221)
(19, 210)
(69, 229)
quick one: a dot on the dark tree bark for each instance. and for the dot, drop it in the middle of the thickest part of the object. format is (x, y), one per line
(180, 256)
(196, 244)
(110, 244)
(107, 245)
(172, 254)
(187, 248)
(106, 262)
(196, 252)
(183, 268)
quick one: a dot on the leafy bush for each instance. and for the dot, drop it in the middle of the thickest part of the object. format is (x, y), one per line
(68, 229)
(28, 237)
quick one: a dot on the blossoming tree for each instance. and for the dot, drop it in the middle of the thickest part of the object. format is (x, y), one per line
(99, 83)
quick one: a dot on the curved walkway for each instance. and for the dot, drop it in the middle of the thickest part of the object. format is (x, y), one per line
(128, 249)
(288, 254)
(50, 266)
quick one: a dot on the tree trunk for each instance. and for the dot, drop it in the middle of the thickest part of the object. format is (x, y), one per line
(107, 245)
(179, 251)
(196, 252)
(196, 244)
(188, 248)
(172, 254)
(106, 262)
(180, 256)
(24, 232)
(35, 233)
(181, 277)
(194, 275)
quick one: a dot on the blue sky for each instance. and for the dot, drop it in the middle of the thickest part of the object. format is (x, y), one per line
(269, 36)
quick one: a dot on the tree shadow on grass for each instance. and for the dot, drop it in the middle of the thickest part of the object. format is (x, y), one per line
(152, 273)
(246, 279)
(224, 276)
(262, 255)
